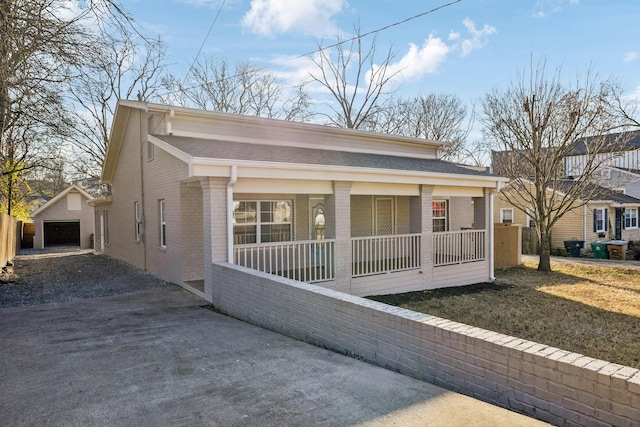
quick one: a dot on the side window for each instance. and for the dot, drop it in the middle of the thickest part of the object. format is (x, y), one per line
(264, 221)
(138, 220)
(163, 223)
(631, 218)
(506, 215)
(439, 215)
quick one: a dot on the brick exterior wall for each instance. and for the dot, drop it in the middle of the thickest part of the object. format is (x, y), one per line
(546, 383)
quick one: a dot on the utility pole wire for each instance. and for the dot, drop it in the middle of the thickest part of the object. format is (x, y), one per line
(215, 19)
(386, 27)
(315, 51)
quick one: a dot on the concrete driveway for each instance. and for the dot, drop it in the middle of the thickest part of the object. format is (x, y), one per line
(157, 358)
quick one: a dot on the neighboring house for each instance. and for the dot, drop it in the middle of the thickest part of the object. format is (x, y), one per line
(614, 216)
(619, 150)
(66, 219)
(354, 211)
(626, 181)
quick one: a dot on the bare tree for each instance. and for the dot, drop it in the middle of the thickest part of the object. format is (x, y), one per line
(242, 89)
(436, 117)
(42, 45)
(358, 85)
(535, 124)
(123, 66)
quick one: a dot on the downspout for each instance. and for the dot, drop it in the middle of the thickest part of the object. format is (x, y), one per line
(584, 224)
(143, 217)
(230, 184)
(169, 125)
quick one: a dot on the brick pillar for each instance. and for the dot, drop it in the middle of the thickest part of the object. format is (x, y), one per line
(214, 227)
(426, 230)
(338, 227)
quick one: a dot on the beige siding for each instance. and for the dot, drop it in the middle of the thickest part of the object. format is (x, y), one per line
(569, 227)
(500, 203)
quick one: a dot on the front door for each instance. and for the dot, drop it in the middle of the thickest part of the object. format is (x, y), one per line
(618, 230)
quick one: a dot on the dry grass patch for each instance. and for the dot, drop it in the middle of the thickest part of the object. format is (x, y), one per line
(589, 310)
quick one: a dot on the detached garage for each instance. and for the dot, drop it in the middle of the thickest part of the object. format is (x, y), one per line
(65, 220)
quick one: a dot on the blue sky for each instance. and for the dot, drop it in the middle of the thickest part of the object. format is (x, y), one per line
(467, 48)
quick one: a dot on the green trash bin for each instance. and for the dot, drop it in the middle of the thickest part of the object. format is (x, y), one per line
(600, 250)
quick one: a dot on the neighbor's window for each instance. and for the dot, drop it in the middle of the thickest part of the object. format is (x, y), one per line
(600, 219)
(163, 224)
(439, 214)
(631, 218)
(506, 215)
(262, 221)
(138, 219)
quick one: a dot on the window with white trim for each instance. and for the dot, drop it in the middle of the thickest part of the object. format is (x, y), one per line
(631, 218)
(263, 221)
(162, 223)
(439, 215)
(506, 215)
(137, 219)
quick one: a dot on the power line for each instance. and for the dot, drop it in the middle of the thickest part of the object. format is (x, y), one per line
(386, 27)
(215, 19)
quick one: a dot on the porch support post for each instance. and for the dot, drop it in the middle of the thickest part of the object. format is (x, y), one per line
(338, 227)
(483, 220)
(214, 227)
(426, 233)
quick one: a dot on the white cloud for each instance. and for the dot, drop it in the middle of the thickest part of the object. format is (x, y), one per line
(479, 38)
(308, 17)
(418, 61)
(630, 56)
(454, 35)
(544, 8)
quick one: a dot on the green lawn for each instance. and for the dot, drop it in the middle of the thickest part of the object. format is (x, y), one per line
(594, 311)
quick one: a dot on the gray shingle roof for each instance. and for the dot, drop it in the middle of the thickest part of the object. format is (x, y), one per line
(622, 141)
(206, 148)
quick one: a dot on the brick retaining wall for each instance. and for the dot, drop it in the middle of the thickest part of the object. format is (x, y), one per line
(547, 383)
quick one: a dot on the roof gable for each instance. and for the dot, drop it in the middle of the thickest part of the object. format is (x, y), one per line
(59, 197)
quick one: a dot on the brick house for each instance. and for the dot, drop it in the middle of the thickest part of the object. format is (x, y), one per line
(353, 211)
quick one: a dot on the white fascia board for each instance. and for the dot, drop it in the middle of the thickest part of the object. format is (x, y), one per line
(252, 169)
(59, 196)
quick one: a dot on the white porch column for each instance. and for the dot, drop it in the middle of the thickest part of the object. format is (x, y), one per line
(483, 220)
(426, 232)
(338, 227)
(214, 228)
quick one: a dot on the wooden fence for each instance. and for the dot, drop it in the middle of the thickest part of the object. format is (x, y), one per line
(9, 241)
(530, 243)
(507, 244)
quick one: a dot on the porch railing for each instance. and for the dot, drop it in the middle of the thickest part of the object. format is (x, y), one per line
(308, 261)
(458, 247)
(385, 254)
